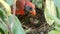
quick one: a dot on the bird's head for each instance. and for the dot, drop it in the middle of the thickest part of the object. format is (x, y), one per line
(23, 6)
(30, 7)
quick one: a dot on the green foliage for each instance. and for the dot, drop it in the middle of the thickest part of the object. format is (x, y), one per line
(52, 13)
(10, 2)
(2, 14)
(38, 3)
(8, 23)
(6, 7)
(54, 32)
(1, 31)
(57, 3)
(16, 27)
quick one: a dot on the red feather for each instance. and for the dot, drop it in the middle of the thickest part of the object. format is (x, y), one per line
(20, 6)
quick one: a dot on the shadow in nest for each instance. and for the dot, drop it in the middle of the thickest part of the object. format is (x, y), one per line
(37, 24)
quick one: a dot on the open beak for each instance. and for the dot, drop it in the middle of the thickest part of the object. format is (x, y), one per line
(33, 12)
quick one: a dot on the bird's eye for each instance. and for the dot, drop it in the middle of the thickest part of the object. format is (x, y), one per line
(28, 8)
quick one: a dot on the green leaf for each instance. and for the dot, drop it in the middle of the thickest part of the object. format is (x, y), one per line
(16, 27)
(58, 12)
(57, 3)
(54, 32)
(2, 14)
(3, 27)
(57, 28)
(1, 31)
(38, 3)
(6, 7)
(10, 2)
(50, 12)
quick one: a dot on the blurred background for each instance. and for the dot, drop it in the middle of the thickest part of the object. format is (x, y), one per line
(46, 20)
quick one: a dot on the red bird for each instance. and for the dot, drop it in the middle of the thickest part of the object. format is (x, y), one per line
(23, 6)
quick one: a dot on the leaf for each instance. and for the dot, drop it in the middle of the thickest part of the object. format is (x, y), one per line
(2, 14)
(2, 17)
(57, 3)
(10, 2)
(16, 27)
(58, 12)
(38, 3)
(1, 31)
(6, 6)
(3, 27)
(50, 12)
(57, 28)
(54, 32)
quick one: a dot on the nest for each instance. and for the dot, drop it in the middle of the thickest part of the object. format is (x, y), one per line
(37, 24)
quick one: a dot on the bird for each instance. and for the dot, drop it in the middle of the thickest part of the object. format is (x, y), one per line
(24, 7)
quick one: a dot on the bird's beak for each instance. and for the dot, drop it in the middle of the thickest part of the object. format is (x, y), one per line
(33, 12)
